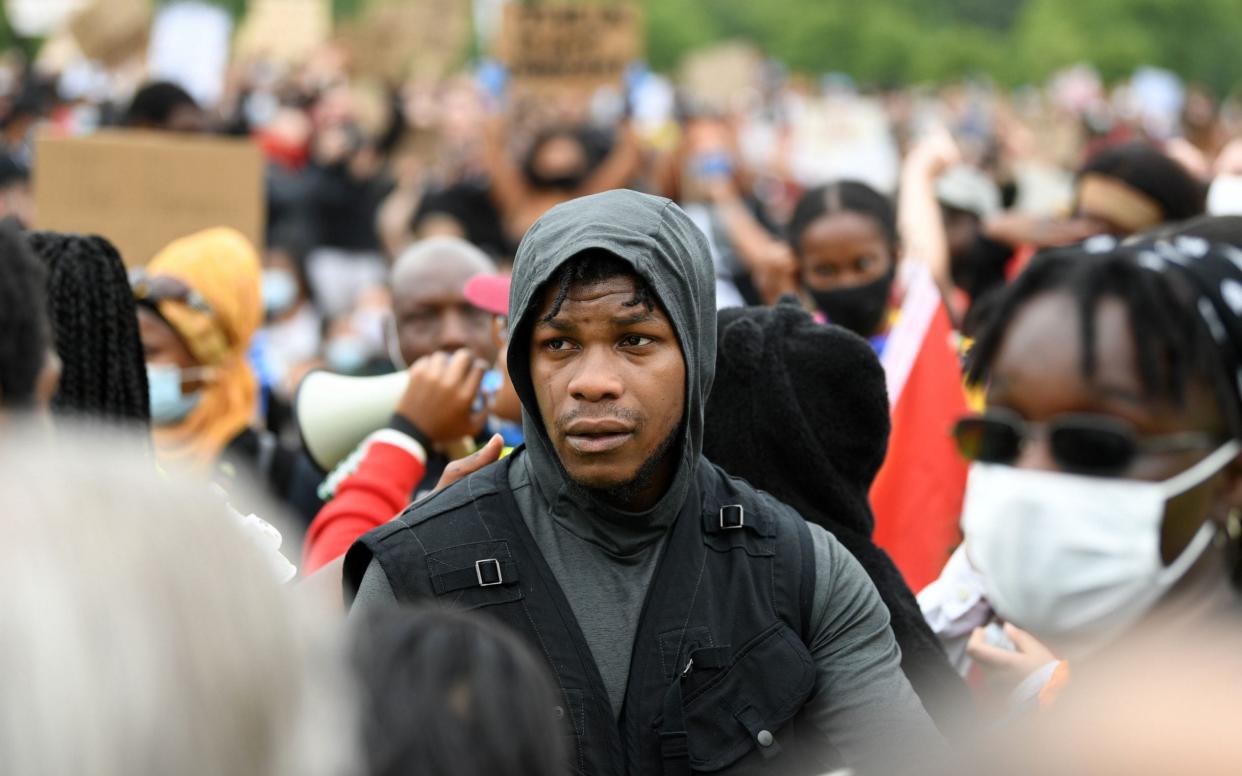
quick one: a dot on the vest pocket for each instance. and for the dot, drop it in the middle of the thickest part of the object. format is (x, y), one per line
(470, 576)
(572, 713)
(744, 706)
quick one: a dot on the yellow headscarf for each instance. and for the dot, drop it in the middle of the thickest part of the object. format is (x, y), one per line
(223, 267)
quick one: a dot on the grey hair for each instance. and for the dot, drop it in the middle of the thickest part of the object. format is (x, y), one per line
(143, 633)
(436, 252)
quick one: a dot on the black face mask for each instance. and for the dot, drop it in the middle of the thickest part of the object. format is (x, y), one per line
(858, 308)
(565, 182)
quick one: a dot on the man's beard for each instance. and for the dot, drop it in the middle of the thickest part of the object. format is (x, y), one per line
(627, 492)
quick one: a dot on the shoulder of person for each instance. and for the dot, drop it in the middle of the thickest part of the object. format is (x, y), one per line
(442, 504)
(722, 488)
(447, 504)
(831, 556)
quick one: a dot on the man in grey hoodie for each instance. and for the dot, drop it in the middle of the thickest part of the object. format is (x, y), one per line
(693, 623)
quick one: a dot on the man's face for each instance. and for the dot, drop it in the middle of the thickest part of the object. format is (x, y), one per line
(432, 314)
(610, 381)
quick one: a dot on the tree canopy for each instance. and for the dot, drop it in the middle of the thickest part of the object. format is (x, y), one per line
(900, 42)
(893, 42)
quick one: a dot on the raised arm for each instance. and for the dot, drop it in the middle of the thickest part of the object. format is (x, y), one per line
(619, 167)
(919, 219)
(863, 704)
(509, 188)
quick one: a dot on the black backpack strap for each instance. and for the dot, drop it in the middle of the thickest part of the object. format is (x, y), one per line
(431, 538)
(807, 578)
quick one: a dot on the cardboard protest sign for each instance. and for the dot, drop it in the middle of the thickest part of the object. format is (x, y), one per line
(844, 138)
(142, 190)
(284, 30)
(398, 38)
(111, 31)
(714, 76)
(568, 47)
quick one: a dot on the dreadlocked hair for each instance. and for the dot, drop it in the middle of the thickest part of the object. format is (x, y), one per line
(24, 335)
(95, 321)
(596, 266)
(1224, 230)
(1173, 345)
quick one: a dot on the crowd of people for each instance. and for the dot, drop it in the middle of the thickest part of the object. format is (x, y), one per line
(817, 429)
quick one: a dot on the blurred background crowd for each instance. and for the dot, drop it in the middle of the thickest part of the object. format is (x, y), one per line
(384, 123)
(379, 161)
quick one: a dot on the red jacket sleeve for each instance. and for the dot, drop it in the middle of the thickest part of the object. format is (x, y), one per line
(366, 499)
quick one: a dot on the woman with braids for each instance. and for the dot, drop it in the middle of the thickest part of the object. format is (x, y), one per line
(1104, 505)
(840, 255)
(93, 319)
(199, 305)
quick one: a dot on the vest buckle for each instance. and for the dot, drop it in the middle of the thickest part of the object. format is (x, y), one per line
(732, 516)
(488, 572)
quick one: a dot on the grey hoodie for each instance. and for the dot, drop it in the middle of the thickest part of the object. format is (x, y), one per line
(582, 537)
(604, 558)
(670, 253)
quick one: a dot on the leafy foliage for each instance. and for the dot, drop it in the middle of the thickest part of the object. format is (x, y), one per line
(884, 42)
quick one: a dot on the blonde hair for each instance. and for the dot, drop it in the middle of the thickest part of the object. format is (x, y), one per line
(143, 634)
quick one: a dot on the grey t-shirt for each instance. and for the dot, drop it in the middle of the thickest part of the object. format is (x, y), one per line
(862, 701)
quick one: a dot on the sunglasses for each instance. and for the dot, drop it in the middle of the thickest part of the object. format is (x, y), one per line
(1097, 445)
(152, 289)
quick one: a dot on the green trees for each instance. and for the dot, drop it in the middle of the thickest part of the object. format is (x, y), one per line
(910, 41)
(894, 42)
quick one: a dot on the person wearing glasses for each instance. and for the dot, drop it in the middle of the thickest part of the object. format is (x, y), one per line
(1105, 493)
(199, 304)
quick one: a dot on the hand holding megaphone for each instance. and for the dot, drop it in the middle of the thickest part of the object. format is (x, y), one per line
(440, 395)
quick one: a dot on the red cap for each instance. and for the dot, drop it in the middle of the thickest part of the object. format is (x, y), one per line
(489, 292)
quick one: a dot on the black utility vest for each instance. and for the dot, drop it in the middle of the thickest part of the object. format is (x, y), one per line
(720, 671)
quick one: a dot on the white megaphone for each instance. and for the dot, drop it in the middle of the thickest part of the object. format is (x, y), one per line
(335, 413)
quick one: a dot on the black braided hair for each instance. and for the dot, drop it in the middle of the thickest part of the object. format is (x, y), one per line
(842, 197)
(95, 321)
(24, 335)
(595, 266)
(1172, 343)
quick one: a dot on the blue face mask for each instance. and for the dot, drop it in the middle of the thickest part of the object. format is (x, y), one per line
(280, 291)
(169, 405)
(346, 355)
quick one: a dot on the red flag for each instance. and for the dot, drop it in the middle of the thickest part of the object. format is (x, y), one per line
(917, 495)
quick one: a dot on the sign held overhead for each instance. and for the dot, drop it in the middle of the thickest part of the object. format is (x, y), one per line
(569, 47)
(142, 190)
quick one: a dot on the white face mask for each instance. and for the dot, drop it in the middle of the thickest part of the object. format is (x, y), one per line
(1076, 560)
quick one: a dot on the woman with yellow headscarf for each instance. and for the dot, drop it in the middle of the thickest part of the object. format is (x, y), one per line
(199, 304)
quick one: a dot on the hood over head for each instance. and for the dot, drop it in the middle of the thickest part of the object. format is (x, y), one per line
(668, 251)
(800, 411)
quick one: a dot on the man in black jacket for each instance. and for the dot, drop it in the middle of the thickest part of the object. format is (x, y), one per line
(693, 623)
